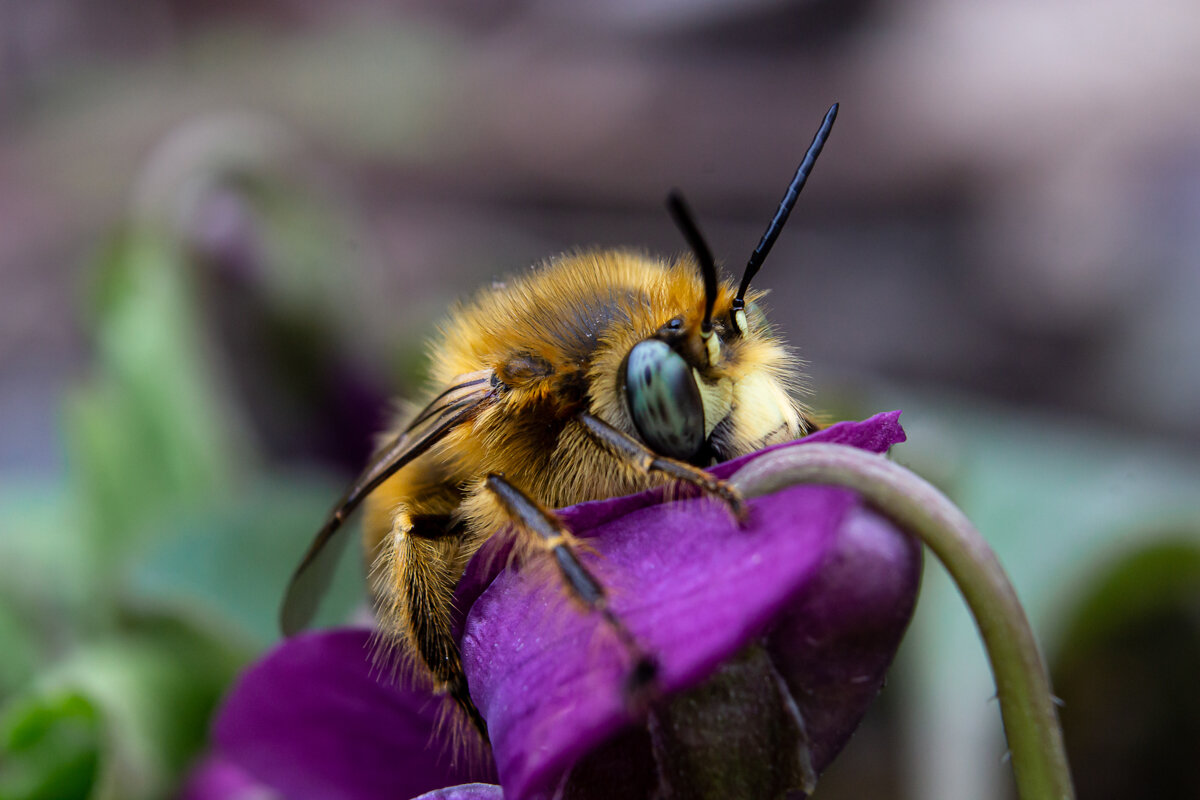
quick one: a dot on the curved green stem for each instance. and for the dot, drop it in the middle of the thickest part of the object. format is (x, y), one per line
(1030, 721)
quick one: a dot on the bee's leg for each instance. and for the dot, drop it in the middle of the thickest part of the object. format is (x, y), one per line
(554, 538)
(423, 552)
(648, 461)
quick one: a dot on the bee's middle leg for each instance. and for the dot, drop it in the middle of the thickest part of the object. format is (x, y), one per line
(419, 563)
(553, 538)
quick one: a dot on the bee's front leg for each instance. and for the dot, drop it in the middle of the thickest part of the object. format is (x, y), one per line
(633, 451)
(552, 537)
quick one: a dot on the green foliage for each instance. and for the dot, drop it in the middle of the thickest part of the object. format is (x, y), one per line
(1126, 668)
(1149, 580)
(50, 745)
(119, 718)
(234, 561)
(150, 432)
(133, 591)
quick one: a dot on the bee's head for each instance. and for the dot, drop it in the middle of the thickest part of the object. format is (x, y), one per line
(673, 398)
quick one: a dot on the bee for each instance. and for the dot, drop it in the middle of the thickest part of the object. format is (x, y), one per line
(598, 374)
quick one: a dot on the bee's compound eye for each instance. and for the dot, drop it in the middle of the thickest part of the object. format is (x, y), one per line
(664, 400)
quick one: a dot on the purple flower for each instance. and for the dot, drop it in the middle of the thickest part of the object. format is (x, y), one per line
(771, 641)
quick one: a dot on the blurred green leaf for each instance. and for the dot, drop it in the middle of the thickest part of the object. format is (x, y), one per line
(121, 718)
(1126, 669)
(1150, 580)
(50, 747)
(46, 565)
(151, 430)
(236, 560)
(19, 648)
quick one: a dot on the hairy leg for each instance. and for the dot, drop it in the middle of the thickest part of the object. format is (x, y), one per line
(546, 532)
(636, 453)
(419, 571)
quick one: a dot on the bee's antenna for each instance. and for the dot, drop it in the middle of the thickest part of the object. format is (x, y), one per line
(704, 257)
(785, 207)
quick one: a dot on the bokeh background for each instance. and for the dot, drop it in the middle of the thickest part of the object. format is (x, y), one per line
(226, 227)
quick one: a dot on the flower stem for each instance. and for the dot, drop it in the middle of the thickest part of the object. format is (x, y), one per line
(1030, 721)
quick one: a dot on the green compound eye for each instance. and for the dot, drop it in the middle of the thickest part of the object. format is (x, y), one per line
(664, 400)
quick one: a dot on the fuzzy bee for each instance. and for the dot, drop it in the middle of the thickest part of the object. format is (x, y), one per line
(596, 375)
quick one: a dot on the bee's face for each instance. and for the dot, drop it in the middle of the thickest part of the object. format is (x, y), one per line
(681, 383)
(686, 387)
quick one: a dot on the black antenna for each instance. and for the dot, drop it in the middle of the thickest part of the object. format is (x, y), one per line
(785, 206)
(708, 267)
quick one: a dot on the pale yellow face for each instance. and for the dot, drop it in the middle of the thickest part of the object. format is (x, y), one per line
(748, 393)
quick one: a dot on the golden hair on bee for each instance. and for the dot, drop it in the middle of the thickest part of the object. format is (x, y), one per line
(597, 374)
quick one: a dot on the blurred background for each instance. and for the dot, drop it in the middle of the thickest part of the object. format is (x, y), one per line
(225, 229)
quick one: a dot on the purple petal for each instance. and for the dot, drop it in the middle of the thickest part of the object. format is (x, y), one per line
(835, 644)
(473, 791)
(875, 435)
(313, 719)
(219, 779)
(694, 589)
